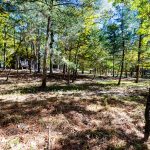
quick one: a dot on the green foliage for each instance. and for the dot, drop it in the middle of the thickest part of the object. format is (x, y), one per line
(83, 38)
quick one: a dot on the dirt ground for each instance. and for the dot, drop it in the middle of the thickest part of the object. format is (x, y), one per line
(87, 115)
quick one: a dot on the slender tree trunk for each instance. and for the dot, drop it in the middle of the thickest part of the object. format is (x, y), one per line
(68, 81)
(17, 55)
(45, 53)
(83, 68)
(27, 55)
(4, 67)
(94, 73)
(5, 45)
(142, 73)
(14, 41)
(126, 71)
(8, 73)
(123, 49)
(34, 50)
(51, 42)
(114, 48)
(76, 70)
(51, 52)
(131, 72)
(38, 52)
(64, 69)
(30, 61)
(139, 60)
(122, 63)
(76, 64)
(113, 65)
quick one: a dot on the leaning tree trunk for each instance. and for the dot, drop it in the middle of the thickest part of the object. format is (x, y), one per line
(45, 53)
(139, 60)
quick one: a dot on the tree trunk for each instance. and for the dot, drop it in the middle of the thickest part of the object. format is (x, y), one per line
(113, 65)
(64, 69)
(38, 52)
(126, 71)
(5, 45)
(51, 42)
(114, 48)
(142, 73)
(30, 61)
(94, 73)
(122, 63)
(27, 55)
(4, 67)
(83, 69)
(131, 72)
(76, 64)
(123, 48)
(68, 81)
(45, 53)
(147, 118)
(139, 60)
(51, 52)
(8, 73)
(34, 56)
(14, 42)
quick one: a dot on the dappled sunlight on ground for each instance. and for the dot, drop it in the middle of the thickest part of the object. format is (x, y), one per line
(86, 115)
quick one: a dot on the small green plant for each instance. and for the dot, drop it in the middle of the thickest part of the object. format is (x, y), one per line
(105, 101)
(12, 143)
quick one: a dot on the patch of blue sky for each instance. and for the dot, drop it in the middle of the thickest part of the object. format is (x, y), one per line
(105, 5)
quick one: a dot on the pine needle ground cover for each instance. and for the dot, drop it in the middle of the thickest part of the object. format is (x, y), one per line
(89, 114)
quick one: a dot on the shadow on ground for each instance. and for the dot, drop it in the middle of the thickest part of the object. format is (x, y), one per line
(56, 87)
(102, 139)
(15, 113)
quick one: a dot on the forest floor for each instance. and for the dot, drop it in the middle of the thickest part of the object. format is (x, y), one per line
(87, 115)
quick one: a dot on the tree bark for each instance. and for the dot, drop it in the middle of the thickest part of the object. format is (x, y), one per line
(27, 55)
(76, 64)
(4, 50)
(114, 48)
(147, 118)
(123, 49)
(51, 52)
(45, 53)
(122, 63)
(38, 52)
(51, 42)
(139, 60)
(126, 71)
(68, 81)
(113, 65)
